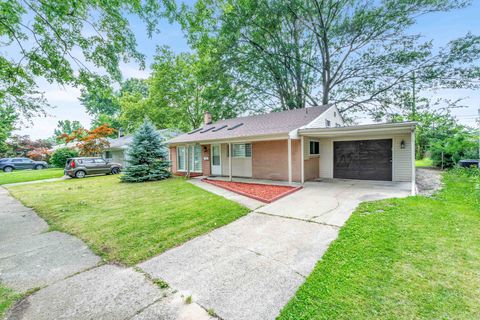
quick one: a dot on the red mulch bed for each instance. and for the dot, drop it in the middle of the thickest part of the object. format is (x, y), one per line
(264, 192)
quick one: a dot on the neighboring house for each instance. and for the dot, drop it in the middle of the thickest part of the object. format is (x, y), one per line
(296, 145)
(117, 150)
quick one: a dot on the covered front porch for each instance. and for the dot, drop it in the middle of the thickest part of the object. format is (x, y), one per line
(379, 152)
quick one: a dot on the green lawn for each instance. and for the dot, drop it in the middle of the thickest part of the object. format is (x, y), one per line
(128, 223)
(412, 258)
(29, 175)
(425, 162)
(7, 298)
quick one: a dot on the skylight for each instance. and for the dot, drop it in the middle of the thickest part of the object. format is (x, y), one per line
(206, 130)
(196, 130)
(235, 126)
(218, 129)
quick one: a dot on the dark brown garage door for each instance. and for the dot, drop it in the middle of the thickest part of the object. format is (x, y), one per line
(365, 160)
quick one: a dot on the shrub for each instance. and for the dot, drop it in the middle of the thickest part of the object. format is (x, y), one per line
(146, 156)
(40, 154)
(452, 149)
(60, 156)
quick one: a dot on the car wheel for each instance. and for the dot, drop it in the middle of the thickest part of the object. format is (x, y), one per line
(80, 174)
(8, 169)
(38, 167)
(115, 171)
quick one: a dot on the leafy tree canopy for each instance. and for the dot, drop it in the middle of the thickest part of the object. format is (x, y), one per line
(67, 42)
(66, 127)
(181, 88)
(7, 121)
(103, 102)
(351, 53)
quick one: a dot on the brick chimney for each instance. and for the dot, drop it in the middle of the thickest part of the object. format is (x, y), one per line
(207, 118)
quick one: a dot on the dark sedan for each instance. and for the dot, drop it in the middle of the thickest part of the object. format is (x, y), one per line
(10, 164)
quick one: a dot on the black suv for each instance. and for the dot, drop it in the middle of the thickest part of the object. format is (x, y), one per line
(80, 167)
(10, 164)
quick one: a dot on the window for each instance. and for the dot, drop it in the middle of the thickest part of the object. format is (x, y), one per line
(242, 150)
(334, 114)
(102, 161)
(327, 123)
(195, 158)
(181, 158)
(108, 154)
(314, 147)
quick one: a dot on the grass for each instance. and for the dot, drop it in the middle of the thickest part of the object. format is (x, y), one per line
(425, 162)
(128, 223)
(412, 258)
(29, 175)
(7, 298)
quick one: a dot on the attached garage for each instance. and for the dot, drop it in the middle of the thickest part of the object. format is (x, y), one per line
(382, 152)
(363, 159)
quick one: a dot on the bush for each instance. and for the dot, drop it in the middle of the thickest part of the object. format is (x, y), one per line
(461, 145)
(40, 154)
(146, 156)
(60, 156)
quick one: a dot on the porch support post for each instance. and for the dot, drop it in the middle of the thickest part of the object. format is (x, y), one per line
(302, 160)
(230, 161)
(412, 142)
(187, 151)
(289, 160)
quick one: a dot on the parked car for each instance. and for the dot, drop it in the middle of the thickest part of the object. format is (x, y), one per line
(10, 164)
(83, 166)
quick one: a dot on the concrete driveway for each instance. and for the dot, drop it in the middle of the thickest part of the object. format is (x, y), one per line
(252, 267)
(332, 202)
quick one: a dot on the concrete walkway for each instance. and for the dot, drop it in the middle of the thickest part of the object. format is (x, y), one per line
(252, 267)
(248, 269)
(72, 283)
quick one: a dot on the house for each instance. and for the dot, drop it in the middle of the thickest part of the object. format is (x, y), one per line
(117, 150)
(296, 146)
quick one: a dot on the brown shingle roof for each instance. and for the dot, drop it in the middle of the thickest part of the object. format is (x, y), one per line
(264, 124)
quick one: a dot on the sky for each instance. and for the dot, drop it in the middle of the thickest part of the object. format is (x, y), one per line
(440, 27)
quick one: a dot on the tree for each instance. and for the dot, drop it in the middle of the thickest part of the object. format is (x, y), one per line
(64, 41)
(59, 157)
(103, 102)
(90, 142)
(349, 53)
(40, 154)
(66, 127)
(181, 88)
(21, 145)
(147, 156)
(7, 121)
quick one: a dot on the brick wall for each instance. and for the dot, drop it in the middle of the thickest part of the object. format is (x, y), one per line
(270, 161)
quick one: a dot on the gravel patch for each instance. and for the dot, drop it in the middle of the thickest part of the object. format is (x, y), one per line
(428, 181)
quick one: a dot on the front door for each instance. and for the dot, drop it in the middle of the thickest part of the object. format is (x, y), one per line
(216, 160)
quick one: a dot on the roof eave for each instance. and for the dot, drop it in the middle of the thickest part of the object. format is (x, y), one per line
(369, 128)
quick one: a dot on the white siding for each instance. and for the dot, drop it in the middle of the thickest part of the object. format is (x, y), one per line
(241, 167)
(331, 114)
(402, 158)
